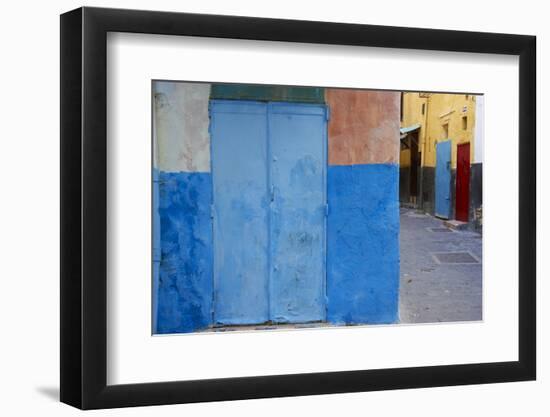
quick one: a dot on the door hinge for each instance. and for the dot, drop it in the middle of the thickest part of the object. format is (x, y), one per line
(212, 211)
(326, 210)
(327, 113)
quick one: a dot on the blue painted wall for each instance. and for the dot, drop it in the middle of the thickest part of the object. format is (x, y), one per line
(361, 275)
(363, 244)
(156, 248)
(184, 297)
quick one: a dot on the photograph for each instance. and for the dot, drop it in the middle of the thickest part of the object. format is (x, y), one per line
(264, 209)
(294, 207)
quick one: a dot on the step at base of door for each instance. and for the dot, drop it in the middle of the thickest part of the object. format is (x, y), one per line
(456, 224)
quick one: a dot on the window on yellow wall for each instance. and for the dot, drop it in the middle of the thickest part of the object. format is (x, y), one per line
(423, 108)
(445, 130)
(464, 122)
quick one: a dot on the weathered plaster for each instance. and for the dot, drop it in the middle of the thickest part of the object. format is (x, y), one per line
(363, 126)
(184, 287)
(181, 126)
(362, 225)
(363, 244)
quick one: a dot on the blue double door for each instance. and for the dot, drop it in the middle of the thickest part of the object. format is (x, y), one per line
(269, 211)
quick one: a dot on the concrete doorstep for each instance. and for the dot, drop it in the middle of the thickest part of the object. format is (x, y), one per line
(456, 225)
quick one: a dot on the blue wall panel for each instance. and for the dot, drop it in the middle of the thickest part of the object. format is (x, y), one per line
(297, 138)
(241, 203)
(184, 298)
(363, 244)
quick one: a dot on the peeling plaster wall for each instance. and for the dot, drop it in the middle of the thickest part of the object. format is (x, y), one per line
(182, 196)
(185, 276)
(362, 246)
(181, 126)
(364, 127)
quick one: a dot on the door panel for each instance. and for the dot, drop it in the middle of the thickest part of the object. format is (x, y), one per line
(268, 173)
(463, 182)
(240, 190)
(297, 135)
(443, 180)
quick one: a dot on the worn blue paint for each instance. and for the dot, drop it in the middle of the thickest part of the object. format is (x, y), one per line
(268, 170)
(297, 143)
(156, 249)
(363, 244)
(240, 188)
(443, 179)
(246, 243)
(185, 271)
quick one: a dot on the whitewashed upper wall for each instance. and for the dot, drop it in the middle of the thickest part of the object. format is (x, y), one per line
(479, 130)
(181, 139)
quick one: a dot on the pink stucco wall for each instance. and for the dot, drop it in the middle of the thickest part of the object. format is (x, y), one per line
(363, 127)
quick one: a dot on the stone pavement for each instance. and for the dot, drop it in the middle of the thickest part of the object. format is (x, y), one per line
(441, 271)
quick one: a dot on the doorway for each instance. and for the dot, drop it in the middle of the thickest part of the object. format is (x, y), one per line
(414, 167)
(463, 182)
(443, 179)
(269, 209)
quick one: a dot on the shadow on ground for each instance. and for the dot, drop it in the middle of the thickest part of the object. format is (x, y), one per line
(50, 392)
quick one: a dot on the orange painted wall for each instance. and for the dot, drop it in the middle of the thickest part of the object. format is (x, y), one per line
(363, 127)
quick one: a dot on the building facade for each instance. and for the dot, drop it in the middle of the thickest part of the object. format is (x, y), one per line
(441, 155)
(274, 205)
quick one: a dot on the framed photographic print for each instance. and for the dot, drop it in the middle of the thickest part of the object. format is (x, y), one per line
(257, 207)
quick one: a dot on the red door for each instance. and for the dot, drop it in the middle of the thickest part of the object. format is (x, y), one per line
(463, 182)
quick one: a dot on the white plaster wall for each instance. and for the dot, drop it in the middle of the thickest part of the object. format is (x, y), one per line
(479, 129)
(181, 139)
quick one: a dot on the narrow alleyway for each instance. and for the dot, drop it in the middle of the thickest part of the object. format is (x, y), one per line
(441, 271)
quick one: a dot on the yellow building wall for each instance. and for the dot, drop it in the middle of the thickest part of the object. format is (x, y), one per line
(440, 110)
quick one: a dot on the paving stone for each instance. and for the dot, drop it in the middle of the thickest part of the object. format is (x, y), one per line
(433, 292)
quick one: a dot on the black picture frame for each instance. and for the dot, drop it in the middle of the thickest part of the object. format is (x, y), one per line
(84, 207)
